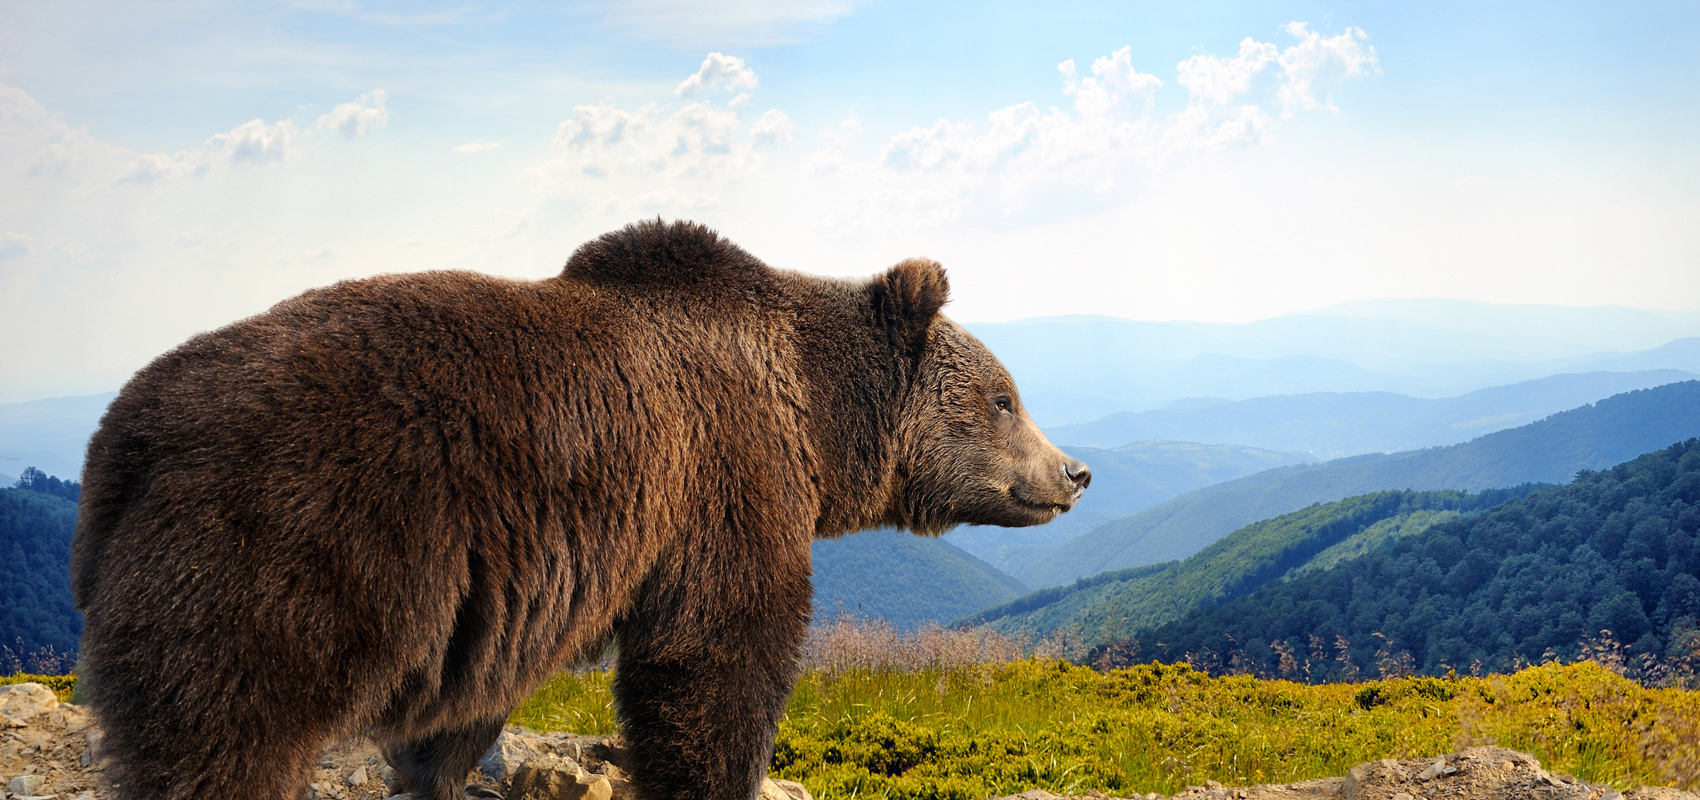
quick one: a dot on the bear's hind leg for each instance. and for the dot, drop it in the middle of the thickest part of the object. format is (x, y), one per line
(434, 767)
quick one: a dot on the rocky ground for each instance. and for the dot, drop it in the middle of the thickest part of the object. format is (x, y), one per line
(51, 751)
(1481, 773)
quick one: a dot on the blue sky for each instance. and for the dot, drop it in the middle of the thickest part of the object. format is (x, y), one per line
(170, 167)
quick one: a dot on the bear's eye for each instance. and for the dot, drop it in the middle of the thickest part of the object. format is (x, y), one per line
(1003, 405)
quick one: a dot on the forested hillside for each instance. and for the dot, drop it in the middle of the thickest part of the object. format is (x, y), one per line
(1550, 451)
(1118, 604)
(35, 579)
(904, 579)
(1605, 566)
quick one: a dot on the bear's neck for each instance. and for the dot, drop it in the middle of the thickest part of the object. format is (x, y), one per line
(856, 388)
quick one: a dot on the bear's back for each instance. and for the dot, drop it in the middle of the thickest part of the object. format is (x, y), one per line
(457, 385)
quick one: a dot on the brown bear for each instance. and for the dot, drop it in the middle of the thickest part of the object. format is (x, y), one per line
(395, 506)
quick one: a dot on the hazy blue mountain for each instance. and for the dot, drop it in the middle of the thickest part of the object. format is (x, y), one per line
(1113, 365)
(1680, 354)
(49, 434)
(1125, 479)
(1332, 425)
(905, 579)
(1550, 451)
(1593, 327)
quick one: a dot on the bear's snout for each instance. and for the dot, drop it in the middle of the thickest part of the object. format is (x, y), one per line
(1078, 474)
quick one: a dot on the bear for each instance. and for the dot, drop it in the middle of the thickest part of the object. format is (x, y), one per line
(395, 506)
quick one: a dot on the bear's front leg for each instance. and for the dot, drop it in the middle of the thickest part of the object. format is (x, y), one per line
(704, 675)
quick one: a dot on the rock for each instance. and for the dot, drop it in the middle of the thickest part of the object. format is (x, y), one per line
(1375, 772)
(91, 750)
(511, 750)
(358, 777)
(1402, 796)
(553, 777)
(21, 703)
(24, 785)
(772, 789)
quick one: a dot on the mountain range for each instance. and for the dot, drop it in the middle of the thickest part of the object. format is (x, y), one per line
(1336, 424)
(1550, 451)
(1441, 350)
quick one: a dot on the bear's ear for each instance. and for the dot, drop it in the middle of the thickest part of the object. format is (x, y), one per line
(906, 298)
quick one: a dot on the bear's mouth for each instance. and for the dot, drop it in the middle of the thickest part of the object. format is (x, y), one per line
(1052, 509)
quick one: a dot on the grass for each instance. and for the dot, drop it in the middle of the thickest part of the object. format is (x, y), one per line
(984, 730)
(958, 715)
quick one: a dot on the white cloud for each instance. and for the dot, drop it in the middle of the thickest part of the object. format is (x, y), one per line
(255, 142)
(1210, 79)
(476, 147)
(719, 73)
(50, 149)
(1025, 157)
(772, 129)
(59, 151)
(13, 245)
(618, 149)
(1114, 81)
(838, 137)
(353, 119)
(1317, 63)
(252, 142)
(742, 22)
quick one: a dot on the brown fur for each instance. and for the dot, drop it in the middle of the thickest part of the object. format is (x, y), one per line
(397, 505)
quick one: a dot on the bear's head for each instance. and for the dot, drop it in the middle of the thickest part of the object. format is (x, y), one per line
(966, 451)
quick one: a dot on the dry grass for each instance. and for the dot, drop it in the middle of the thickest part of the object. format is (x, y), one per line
(850, 642)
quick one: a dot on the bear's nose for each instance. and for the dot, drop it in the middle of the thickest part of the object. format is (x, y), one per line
(1078, 474)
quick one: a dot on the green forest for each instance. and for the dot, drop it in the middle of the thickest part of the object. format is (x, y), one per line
(39, 627)
(1601, 568)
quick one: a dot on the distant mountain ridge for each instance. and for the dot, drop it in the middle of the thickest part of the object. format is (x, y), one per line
(1334, 425)
(1117, 365)
(1550, 451)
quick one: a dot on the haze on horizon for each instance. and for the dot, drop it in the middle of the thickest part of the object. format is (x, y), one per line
(171, 168)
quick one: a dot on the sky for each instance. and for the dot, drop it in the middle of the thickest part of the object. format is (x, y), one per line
(167, 168)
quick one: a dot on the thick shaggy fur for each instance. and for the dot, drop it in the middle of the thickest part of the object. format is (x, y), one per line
(397, 505)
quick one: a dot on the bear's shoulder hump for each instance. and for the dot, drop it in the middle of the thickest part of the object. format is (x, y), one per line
(674, 254)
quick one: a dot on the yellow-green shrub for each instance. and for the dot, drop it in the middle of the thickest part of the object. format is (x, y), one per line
(987, 730)
(62, 685)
